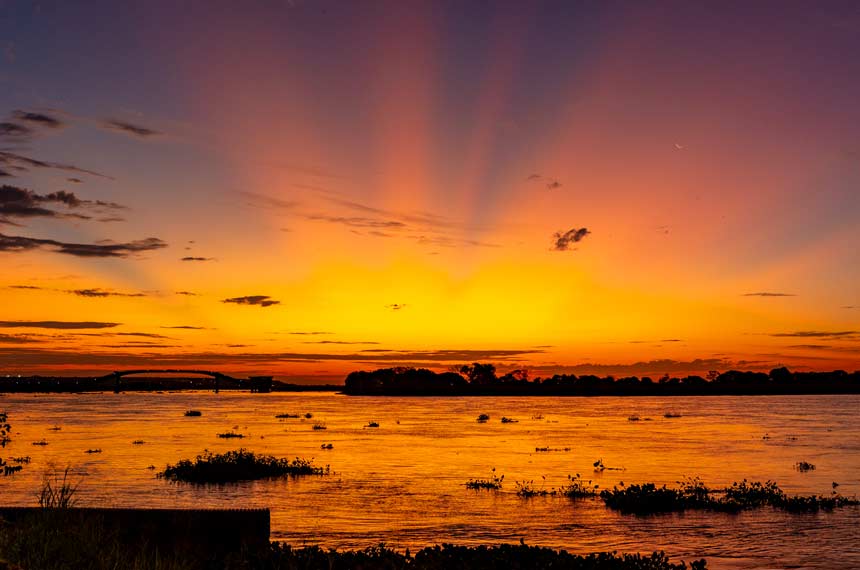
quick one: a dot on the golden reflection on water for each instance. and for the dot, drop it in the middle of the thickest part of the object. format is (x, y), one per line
(402, 483)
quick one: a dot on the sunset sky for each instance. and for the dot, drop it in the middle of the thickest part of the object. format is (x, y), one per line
(303, 188)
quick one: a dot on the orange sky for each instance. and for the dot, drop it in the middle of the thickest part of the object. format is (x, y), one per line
(394, 176)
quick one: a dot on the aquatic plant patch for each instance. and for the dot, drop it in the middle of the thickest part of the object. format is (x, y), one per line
(239, 465)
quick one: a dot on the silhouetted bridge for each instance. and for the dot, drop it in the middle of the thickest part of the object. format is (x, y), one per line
(254, 383)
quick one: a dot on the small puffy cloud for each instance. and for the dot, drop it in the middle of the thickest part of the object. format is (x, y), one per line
(562, 241)
(549, 183)
(259, 300)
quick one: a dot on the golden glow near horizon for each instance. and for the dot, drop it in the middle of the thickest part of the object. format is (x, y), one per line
(399, 201)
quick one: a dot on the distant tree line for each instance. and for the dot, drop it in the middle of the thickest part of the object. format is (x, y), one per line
(481, 380)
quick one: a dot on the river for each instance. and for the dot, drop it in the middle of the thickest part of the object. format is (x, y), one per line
(403, 482)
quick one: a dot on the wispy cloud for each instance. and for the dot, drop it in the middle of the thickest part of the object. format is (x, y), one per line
(17, 244)
(358, 222)
(129, 128)
(191, 258)
(20, 162)
(311, 333)
(38, 118)
(650, 367)
(26, 356)
(18, 202)
(16, 339)
(768, 294)
(14, 131)
(103, 293)
(259, 300)
(143, 335)
(422, 227)
(563, 241)
(364, 342)
(71, 325)
(549, 183)
(817, 334)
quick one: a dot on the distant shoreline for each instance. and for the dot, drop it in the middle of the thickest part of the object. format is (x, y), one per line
(478, 381)
(75, 384)
(481, 380)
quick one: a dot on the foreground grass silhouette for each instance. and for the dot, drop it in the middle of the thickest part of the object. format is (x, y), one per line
(239, 465)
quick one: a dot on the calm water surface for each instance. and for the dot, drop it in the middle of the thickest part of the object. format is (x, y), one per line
(402, 483)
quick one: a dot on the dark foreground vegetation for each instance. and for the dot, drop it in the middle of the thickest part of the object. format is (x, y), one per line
(240, 465)
(36, 545)
(481, 380)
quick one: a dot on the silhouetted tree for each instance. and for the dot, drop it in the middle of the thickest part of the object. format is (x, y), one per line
(479, 373)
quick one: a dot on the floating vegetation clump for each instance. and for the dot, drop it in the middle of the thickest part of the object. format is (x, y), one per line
(804, 466)
(319, 426)
(599, 466)
(670, 415)
(230, 435)
(286, 416)
(483, 418)
(509, 420)
(41, 442)
(494, 483)
(548, 449)
(577, 488)
(694, 495)
(240, 465)
(633, 418)
(527, 489)
(643, 499)
(5, 429)
(372, 425)
(96, 450)
(308, 416)
(138, 442)
(327, 446)
(55, 428)
(193, 413)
